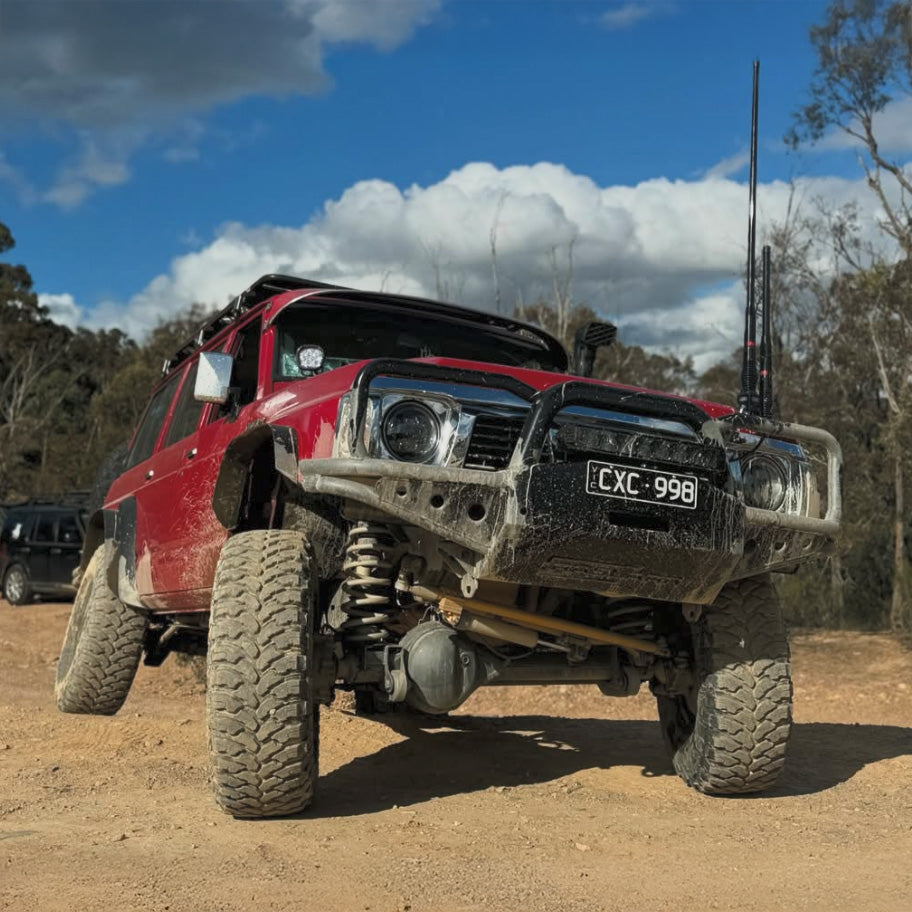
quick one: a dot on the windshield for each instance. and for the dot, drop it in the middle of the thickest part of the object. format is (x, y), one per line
(348, 334)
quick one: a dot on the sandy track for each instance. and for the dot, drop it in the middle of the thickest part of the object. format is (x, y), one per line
(527, 799)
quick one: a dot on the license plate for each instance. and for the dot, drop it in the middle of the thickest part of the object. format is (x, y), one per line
(642, 485)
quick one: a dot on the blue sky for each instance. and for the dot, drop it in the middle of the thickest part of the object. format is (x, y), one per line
(154, 153)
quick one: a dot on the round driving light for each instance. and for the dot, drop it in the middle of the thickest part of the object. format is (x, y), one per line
(764, 482)
(411, 431)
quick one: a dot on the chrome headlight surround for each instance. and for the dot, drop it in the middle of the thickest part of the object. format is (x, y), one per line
(451, 429)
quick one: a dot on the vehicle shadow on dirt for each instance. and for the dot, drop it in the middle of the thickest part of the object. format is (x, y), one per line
(468, 754)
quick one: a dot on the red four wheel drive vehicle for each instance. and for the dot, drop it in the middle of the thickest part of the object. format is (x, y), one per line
(335, 489)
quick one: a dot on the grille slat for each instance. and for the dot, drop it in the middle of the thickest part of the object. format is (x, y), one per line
(492, 442)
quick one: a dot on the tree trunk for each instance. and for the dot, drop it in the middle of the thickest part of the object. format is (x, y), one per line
(898, 616)
(835, 611)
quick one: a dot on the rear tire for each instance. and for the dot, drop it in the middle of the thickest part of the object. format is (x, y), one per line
(262, 717)
(101, 649)
(17, 588)
(728, 737)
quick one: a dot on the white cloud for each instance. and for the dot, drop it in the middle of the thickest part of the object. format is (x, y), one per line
(19, 183)
(95, 167)
(729, 166)
(62, 308)
(706, 328)
(643, 255)
(892, 126)
(115, 73)
(627, 13)
(358, 20)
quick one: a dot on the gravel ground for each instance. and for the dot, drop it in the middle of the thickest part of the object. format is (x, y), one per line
(527, 798)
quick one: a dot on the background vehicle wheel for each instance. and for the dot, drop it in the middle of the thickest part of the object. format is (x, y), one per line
(728, 737)
(17, 589)
(262, 717)
(101, 648)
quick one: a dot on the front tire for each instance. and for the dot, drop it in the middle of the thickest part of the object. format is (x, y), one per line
(17, 589)
(101, 649)
(262, 716)
(729, 735)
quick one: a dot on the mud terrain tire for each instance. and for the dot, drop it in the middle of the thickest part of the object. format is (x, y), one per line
(729, 737)
(101, 649)
(262, 717)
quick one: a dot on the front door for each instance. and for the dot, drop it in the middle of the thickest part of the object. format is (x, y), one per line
(190, 537)
(64, 555)
(40, 544)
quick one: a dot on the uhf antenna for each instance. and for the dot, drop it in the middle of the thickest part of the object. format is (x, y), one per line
(747, 399)
(766, 346)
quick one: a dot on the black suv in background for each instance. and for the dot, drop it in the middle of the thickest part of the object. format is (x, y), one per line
(40, 544)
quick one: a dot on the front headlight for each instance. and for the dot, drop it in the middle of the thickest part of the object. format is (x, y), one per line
(774, 474)
(764, 481)
(426, 428)
(411, 431)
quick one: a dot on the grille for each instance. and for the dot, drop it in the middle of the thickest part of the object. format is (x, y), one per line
(492, 442)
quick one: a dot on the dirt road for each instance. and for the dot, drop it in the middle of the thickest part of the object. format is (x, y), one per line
(527, 799)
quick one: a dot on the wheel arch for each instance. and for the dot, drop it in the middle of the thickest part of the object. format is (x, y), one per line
(256, 455)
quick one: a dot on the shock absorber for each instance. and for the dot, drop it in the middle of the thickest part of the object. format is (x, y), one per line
(369, 596)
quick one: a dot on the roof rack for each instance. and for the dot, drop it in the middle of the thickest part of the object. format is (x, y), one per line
(269, 285)
(64, 499)
(263, 288)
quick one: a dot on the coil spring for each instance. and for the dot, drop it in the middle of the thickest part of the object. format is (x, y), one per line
(368, 587)
(631, 618)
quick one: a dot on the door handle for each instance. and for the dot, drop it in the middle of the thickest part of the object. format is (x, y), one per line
(191, 453)
(149, 474)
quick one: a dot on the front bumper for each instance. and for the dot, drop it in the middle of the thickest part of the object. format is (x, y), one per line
(534, 523)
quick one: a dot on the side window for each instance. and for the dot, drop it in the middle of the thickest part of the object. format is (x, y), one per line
(187, 411)
(151, 423)
(246, 351)
(12, 529)
(44, 529)
(68, 532)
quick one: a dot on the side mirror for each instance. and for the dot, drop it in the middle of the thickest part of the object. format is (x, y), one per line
(310, 358)
(213, 377)
(590, 337)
